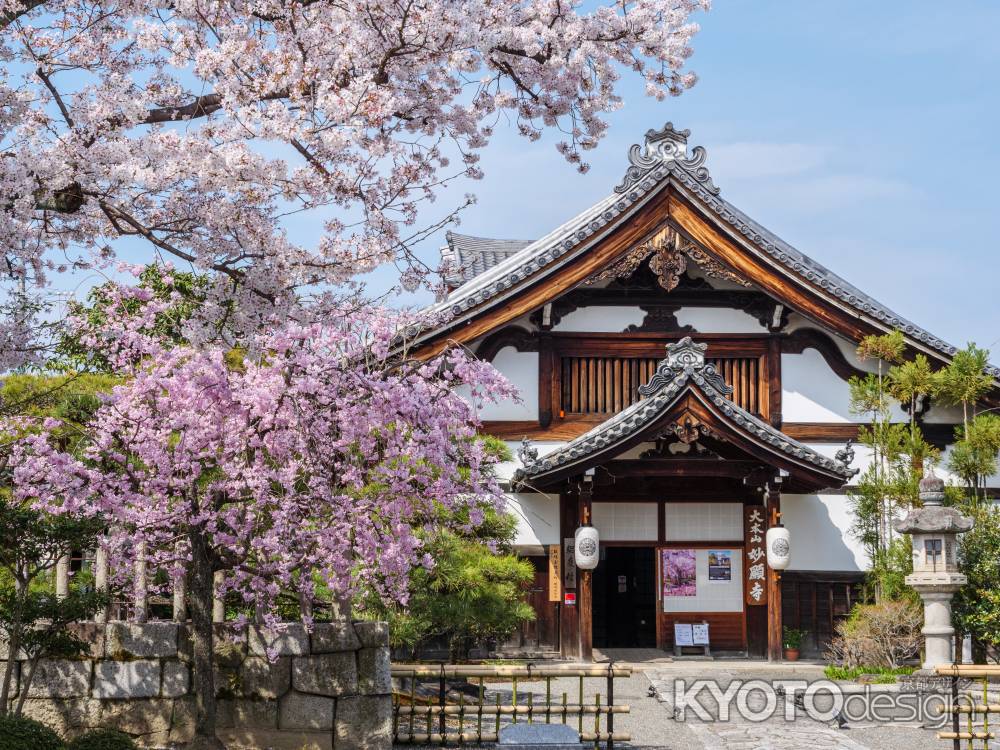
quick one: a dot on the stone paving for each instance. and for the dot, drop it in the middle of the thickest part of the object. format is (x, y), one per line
(653, 725)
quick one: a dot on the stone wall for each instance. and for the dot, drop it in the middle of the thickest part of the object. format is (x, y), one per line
(325, 690)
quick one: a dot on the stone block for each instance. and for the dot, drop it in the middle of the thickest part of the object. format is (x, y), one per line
(374, 671)
(182, 720)
(328, 637)
(372, 634)
(326, 674)
(64, 715)
(291, 640)
(91, 633)
(305, 712)
(150, 716)
(176, 679)
(262, 678)
(15, 678)
(540, 737)
(363, 723)
(127, 679)
(254, 739)
(61, 678)
(147, 640)
(243, 712)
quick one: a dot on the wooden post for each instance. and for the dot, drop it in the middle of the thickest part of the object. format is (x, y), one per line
(141, 613)
(62, 577)
(218, 605)
(586, 595)
(101, 578)
(569, 630)
(774, 634)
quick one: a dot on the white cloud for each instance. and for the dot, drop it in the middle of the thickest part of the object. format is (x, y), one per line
(751, 161)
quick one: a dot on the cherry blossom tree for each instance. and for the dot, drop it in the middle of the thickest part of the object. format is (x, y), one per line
(200, 131)
(311, 464)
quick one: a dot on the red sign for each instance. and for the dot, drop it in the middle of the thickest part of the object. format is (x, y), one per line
(569, 599)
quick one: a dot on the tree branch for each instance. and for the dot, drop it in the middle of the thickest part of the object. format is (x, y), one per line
(6, 19)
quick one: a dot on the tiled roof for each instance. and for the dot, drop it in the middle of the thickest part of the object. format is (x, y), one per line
(466, 256)
(665, 157)
(683, 368)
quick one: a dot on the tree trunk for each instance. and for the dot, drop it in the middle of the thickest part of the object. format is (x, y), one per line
(200, 594)
(25, 684)
(8, 673)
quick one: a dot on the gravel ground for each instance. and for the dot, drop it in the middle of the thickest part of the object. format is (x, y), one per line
(652, 724)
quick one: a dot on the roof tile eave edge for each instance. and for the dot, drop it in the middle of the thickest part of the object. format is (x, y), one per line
(746, 229)
(567, 454)
(577, 233)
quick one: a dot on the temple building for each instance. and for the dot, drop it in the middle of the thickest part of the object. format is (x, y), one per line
(683, 374)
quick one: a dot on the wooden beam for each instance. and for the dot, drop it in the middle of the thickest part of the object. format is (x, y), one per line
(586, 583)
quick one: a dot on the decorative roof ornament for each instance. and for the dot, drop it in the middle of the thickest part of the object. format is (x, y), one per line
(846, 454)
(668, 252)
(685, 355)
(668, 147)
(527, 452)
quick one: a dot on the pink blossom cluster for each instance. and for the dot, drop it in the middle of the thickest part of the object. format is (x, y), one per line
(311, 463)
(202, 131)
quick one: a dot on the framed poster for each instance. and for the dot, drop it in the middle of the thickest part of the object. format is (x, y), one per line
(720, 565)
(679, 572)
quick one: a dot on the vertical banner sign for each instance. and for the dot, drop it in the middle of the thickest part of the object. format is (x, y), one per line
(555, 573)
(569, 563)
(755, 566)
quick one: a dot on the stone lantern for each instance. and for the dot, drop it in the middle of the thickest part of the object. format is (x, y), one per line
(935, 575)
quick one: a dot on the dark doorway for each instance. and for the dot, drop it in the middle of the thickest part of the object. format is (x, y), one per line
(625, 598)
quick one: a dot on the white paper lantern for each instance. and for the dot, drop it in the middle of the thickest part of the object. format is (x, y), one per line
(779, 548)
(587, 549)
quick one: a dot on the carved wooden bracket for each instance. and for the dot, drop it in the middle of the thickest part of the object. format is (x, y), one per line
(518, 337)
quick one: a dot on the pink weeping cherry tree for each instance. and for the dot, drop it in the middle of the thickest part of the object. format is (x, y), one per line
(311, 464)
(198, 132)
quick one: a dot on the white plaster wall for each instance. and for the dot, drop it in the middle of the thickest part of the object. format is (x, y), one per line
(506, 469)
(820, 530)
(521, 369)
(600, 319)
(812, 392)
(626, 522)
(718, 320)
(537, 518)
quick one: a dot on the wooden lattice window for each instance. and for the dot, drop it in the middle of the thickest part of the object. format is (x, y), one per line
(605, 385)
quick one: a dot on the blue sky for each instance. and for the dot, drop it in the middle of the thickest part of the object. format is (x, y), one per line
(865, 134)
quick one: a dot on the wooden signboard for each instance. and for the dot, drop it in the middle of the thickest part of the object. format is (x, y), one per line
(569, 563)
(555, 573)
(755, 555)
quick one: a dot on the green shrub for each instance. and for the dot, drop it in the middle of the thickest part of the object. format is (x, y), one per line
(103, 739)
(885, 674)
(19, 733)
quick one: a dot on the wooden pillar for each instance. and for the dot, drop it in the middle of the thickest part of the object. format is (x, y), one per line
(774, 634)
(586, 595)
(569, 615)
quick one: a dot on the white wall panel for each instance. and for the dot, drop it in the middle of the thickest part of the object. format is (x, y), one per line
(688, 522)
(718, 320)
(711, 596)
(521, 369)
(820, 530)
(537, 518)
(625, 522)
(601, 319)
